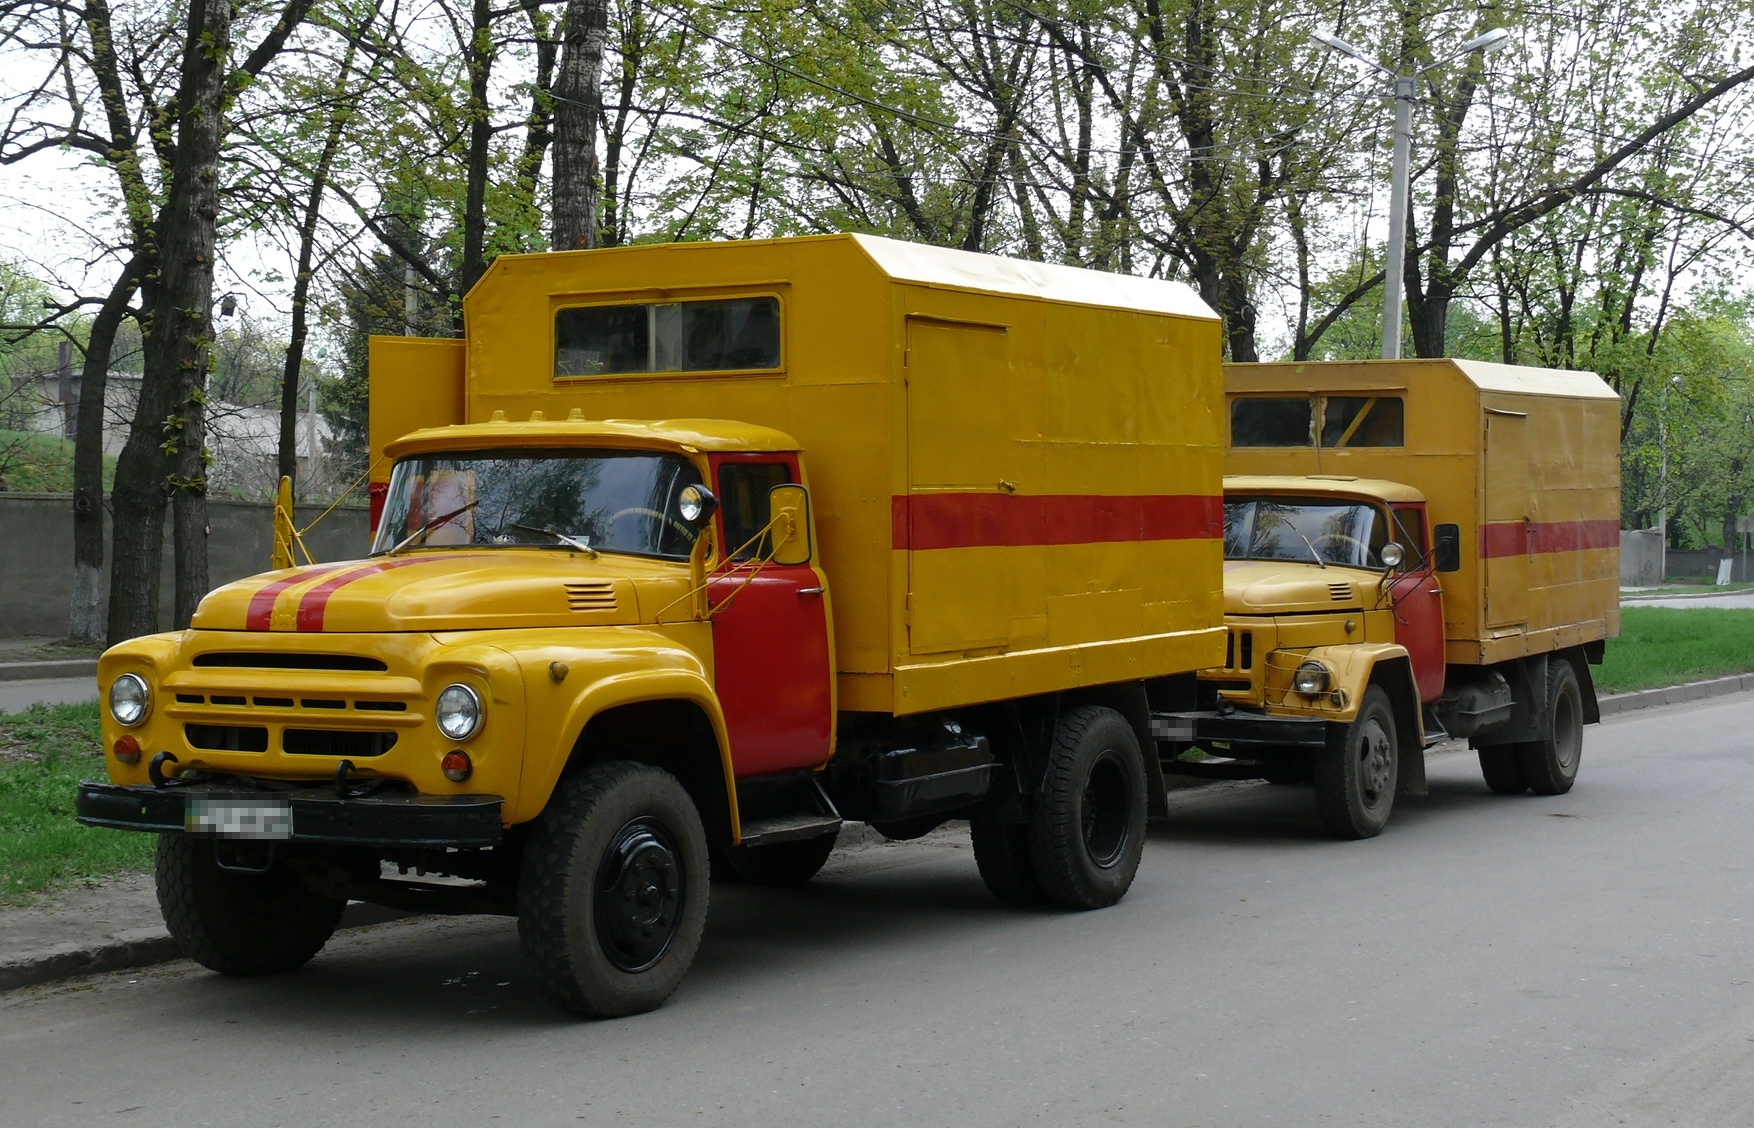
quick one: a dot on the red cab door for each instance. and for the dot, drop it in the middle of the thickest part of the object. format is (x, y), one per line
(1418, 603)
(771, 660)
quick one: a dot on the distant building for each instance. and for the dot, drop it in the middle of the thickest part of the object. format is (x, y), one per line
(244, 441)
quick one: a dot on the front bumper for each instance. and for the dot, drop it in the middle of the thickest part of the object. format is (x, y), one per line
(1239, 731)
(319, 815)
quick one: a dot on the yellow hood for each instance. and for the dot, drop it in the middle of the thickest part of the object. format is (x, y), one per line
(1272, 587)
(449, 590)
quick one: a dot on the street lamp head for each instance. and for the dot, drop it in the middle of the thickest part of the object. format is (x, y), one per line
(1492, 41)
(1339, 46)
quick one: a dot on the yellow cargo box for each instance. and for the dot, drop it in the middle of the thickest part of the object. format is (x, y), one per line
(1525, 461)
(1015, 468)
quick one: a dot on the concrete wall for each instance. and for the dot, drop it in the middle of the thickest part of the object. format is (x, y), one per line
(1641, 558)
(1700, 565)
(36, 553)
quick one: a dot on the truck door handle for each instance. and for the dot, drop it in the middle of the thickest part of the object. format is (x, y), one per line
(810, 591)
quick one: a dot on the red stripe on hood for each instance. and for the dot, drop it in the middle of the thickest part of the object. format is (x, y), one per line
(260, 616)
(312, 605)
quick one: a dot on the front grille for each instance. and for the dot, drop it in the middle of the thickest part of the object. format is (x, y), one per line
(333, 742)
(227, 738)
(1239, 650)
(263, 660)
(1341, 593)
(590, 595)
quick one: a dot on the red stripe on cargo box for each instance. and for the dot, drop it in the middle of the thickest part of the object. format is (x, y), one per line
(260, 616)
(980, 520)
(1530, 538)
(312, 605)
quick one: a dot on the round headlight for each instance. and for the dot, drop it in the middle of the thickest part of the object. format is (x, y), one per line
(1311, 677)
(459, 712)
(129, 699)
(695, 503)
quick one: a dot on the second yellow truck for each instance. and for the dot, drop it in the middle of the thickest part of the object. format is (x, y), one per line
(1414, 550)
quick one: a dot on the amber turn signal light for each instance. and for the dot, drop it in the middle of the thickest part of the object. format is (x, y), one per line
(456, 766)
(127, 749)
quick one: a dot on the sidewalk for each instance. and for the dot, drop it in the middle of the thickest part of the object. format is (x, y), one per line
(40, 659)
(116, 925)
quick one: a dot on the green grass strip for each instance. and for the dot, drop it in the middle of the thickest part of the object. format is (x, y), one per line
(44, 752)
(1661, 646)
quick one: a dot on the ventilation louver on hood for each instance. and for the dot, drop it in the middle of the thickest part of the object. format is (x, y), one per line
(1340, 592)
(590, 595)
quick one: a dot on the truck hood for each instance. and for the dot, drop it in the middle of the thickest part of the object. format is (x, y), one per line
(461, 590)
(1273, 587)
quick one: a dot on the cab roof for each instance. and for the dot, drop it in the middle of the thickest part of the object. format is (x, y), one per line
(1336, 485)
(691, 435)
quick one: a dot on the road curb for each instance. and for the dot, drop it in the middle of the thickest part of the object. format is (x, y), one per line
(1675, 694)
(44, 671)
(148, 946)
(136, 948)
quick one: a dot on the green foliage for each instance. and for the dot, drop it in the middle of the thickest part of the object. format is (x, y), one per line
(1670, 645)
(37, 463)
(44, 753)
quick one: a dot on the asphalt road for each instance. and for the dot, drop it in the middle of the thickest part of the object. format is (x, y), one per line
(17, 695)
(1581, 961)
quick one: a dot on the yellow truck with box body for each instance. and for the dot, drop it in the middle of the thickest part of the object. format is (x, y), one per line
(685, 554)
(1414, 550)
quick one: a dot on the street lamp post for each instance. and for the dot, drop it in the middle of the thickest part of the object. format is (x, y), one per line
(1404, 87)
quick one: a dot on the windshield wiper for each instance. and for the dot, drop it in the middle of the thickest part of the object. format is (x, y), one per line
(583, 546)
(1306, 544)
(420, 533)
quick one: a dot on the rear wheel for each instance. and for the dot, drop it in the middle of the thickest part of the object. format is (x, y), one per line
(612, 896)
(1087, 831)
(1549, 764)
(1502, 769)
(1355, 774)
(238, 923)
(1001, 850)
(783, 863)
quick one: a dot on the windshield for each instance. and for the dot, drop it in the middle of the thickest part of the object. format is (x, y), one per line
(607, 501)
(1351, 534)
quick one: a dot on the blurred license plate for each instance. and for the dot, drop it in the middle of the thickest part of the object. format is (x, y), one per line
(234, 818)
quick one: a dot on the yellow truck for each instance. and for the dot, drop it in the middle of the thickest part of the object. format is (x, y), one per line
(683, 556)
(1414, 551)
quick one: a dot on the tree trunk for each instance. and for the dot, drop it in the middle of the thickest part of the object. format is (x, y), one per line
(480, 135)
(165, 457)
(578, 118)
(85, 616)
(301, 290)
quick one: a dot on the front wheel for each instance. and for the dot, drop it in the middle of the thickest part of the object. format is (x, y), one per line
(612, 896)
(1087, 831)
(1355, 774)
(238, 923)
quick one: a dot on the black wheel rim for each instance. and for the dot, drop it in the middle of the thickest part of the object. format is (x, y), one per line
(1567, 736)
(1376, 763)
(1107, 810)
(641, 888)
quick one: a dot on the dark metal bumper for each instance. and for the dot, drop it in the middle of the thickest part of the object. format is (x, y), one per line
(1240, 731)
(319, 816)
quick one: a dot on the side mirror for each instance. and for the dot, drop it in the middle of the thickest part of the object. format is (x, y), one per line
(1446, 548)
(1392, 555)
(790, 506)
